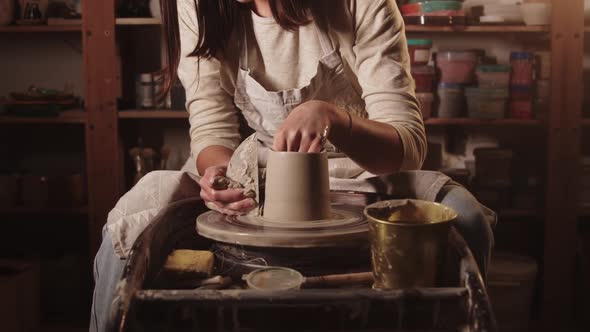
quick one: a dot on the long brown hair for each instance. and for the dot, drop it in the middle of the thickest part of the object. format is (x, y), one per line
(216, 20)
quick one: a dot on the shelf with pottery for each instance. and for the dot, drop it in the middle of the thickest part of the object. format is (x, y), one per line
(138, 21)
(64, 117)
(480, 28)
(153, 114)
(44, 211)
(477, 122)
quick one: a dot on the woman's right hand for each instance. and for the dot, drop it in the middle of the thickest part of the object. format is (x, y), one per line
(227, 201)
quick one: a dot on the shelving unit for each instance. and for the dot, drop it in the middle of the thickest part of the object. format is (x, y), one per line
(51, 233)
(560, 151)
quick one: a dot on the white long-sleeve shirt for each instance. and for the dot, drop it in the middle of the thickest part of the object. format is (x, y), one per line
(370, 37)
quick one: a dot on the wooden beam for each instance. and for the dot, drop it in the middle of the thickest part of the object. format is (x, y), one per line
(563, 155)
(101, 104)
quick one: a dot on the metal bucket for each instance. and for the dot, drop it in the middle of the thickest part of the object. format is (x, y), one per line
(409, 241)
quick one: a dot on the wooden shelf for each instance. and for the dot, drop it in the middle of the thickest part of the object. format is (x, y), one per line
(41, 28)
(479, 28)
(155, 114)
(138, 21)
(47, 211)
(477, 122)
(65, 117)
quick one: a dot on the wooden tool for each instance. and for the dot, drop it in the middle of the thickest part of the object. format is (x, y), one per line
(339, 280)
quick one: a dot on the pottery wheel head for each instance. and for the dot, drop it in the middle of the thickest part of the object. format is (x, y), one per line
(348, 227)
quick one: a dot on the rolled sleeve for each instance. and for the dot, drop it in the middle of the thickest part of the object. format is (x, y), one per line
(382, 67)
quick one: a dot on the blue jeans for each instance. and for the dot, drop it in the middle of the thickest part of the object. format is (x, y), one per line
(471, 223)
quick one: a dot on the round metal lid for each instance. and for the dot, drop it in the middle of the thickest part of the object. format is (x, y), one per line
(274, 279)
(347, 227)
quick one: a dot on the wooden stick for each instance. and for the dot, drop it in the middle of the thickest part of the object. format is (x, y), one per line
(335, 280)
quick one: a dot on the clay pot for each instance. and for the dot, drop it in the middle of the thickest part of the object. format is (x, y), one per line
(297, 187)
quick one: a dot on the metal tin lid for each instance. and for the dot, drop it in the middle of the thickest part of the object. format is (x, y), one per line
(419, 42)
(521, 56)
(274, 279)
(493, 68)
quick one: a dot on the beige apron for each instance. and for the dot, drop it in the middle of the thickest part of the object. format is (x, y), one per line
(265, 111)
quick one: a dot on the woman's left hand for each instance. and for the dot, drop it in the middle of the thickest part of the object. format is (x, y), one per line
(307, 127)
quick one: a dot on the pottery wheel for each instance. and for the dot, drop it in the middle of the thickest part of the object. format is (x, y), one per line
(348, 227)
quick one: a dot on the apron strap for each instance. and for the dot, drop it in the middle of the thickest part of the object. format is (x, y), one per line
(325, 41)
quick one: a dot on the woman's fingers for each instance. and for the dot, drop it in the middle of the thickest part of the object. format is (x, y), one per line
(280, 142)
(293, 141)
(315, 146)
(298, 142)
(305, 144)
(223, 196)
(226, 201)
(235, 208)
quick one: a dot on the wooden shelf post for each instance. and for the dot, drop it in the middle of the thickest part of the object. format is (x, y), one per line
(563, 161)
(101, 104)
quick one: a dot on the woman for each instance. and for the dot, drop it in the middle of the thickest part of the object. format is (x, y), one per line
(301, 73)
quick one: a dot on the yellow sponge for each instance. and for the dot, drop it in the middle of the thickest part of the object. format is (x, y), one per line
(190, 262)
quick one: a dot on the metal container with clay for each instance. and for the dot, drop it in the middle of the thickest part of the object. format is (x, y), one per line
(409, 240)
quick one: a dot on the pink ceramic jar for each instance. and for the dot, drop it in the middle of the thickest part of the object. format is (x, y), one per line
(456, 67)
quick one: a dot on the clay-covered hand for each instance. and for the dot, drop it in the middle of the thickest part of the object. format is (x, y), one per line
(306, 127)
(224, 195)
